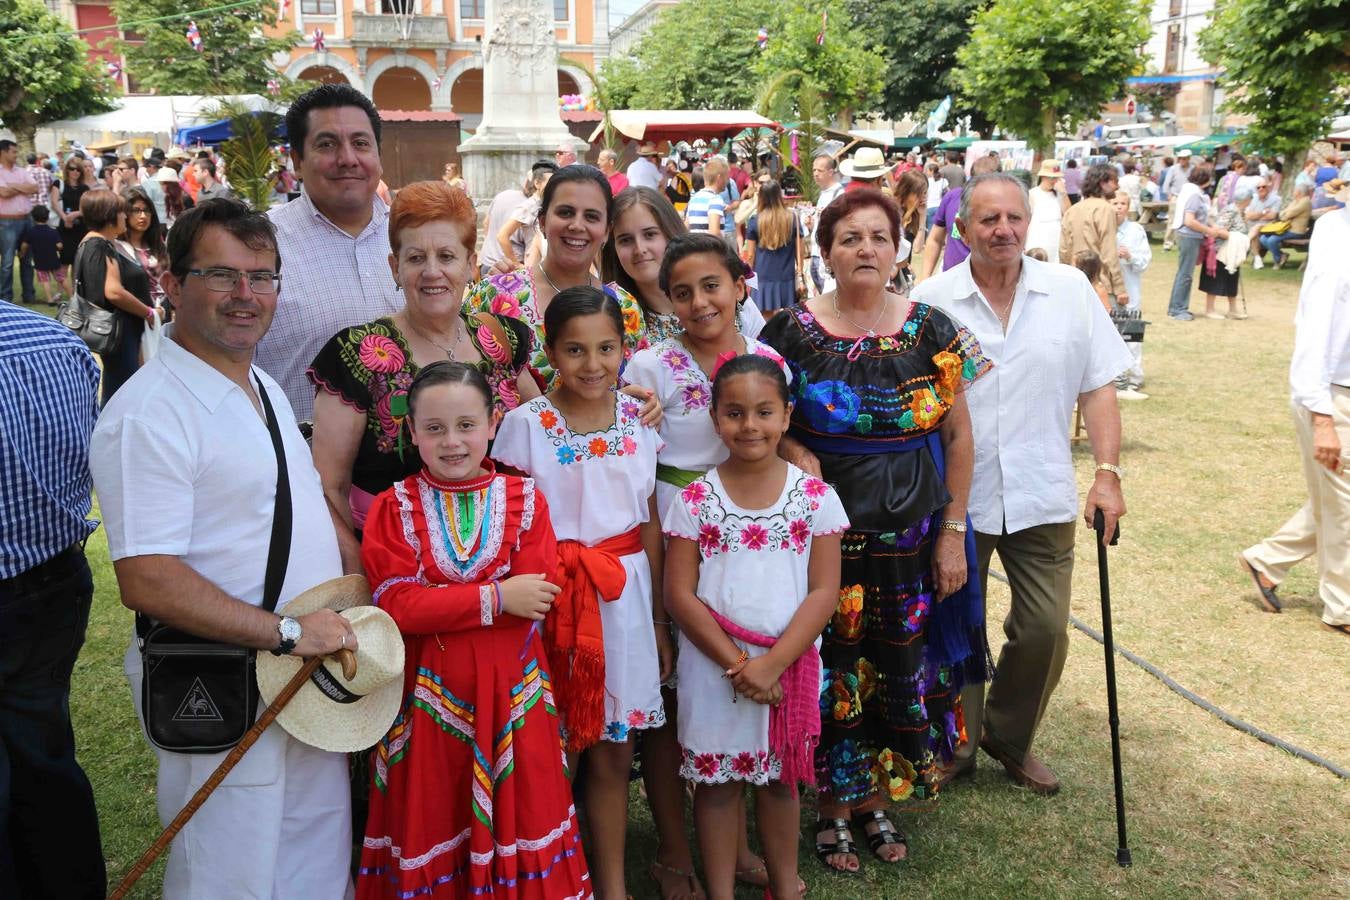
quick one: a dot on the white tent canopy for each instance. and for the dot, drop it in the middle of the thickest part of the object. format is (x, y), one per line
(154, 118)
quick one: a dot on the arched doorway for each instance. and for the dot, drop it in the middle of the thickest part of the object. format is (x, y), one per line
(466, 94)
(567, 84)
(401, 88)
(324, 74)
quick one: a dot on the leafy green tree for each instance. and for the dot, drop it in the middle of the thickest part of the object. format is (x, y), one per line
(698, 55)
(248, 153)
(45, 72)
(236, 54)
(1283, 64)
(846, 73)
(918, 40)
(1031, 65)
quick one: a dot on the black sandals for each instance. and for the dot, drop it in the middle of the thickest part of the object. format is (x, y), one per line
(885, 833)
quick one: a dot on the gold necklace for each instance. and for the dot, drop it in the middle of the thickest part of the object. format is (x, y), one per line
(448, 351)
(557, 290)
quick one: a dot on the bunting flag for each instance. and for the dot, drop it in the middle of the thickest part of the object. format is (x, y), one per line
(274, 87)
(319, 45)
(763, 39)
(436, 84)
(796, 150)
(283, 10)
(824, 21)
(194, 37)
(114, 70)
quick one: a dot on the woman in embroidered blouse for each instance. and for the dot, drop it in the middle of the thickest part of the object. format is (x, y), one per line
(879, 413)
(574, 216)
(362, 375)
(644, 223)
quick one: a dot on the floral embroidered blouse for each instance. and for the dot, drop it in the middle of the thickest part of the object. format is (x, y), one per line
(512, 294)
(859, 415)
(370, 368)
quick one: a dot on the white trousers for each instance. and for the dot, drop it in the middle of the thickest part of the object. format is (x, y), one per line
(1321, 527)
(277, 828)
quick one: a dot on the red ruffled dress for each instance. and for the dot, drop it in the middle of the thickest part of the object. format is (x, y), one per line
(469, 795)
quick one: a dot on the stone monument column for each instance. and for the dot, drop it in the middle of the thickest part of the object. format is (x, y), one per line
(521, 122)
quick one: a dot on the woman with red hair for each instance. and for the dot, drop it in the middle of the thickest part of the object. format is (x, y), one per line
(362, 375)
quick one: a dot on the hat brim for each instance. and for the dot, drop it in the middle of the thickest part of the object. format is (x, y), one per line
(310, 716)
(848, 170)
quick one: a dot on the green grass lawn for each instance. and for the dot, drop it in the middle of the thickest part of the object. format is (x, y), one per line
(1211, 467)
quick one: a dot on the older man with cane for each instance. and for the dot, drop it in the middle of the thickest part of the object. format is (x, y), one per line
(1052, 345)
(215, 518)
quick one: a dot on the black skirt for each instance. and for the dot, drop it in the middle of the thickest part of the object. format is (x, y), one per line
(1222, 283)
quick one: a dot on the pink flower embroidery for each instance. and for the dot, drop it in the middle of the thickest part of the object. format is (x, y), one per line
(695, 493)
(743, 764)
(379, 354)
(800, 532)
(706, 764)
(709, 536)
(509, 393)
(636, 717)
(754, 536)
(491, 348)
(695, 396)
(674, 360)
(814, 487)
(629, 446)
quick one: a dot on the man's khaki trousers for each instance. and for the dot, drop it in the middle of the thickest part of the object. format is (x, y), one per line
(1039, 564)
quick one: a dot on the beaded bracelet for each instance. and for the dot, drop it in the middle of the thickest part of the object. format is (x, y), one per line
(740, 660)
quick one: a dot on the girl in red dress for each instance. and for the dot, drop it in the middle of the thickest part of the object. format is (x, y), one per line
(469, 796)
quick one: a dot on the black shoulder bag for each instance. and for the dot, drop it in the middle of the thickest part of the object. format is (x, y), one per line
(201, 696)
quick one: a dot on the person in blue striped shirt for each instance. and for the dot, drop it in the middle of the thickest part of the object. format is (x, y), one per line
(49, 839)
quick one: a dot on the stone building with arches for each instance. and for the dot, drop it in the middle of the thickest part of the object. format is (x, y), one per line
(438, 66)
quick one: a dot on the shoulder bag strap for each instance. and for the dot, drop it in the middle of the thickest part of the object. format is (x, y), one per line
(279, 549)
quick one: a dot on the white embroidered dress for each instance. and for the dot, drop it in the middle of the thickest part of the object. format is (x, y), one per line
(597, 486)
(752, 570)
(685, 393)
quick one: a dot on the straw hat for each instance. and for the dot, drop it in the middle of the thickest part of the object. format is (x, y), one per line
(647, 148)
(166, 175)
(330, 712)
(1050, 168)
(1338, 189)
(1184, 154)
(177, 153)
(868, 162)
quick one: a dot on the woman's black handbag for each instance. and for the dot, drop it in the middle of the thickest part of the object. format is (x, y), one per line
(99, 328)
(198, 695)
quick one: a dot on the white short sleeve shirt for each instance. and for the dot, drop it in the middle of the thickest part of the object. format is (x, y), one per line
(1060, 343)
(184, 466)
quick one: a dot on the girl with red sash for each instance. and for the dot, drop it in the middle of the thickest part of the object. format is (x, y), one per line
(752, 577)
(606, 636)
(469, 794)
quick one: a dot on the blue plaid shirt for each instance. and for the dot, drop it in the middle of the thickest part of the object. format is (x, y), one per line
(48, 403)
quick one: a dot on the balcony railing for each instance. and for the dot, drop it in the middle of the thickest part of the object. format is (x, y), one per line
(373, 30)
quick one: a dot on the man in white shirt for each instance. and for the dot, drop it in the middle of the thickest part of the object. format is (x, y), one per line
(1173, 181)
(1319, 379)
(642, 172)
(334, 237)
(1135, 254)
(187, 478)
(1052, 345)
(825, 172)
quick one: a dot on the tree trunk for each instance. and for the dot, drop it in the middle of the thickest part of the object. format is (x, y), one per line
(25, 134)
(1293, 164)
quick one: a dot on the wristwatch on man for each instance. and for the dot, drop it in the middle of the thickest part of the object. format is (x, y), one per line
(289, 630)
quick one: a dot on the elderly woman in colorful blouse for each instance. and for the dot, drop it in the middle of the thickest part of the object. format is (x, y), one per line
(880, 413)
(363, 373)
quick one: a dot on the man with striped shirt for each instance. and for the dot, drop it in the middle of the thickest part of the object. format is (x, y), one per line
(49, 840)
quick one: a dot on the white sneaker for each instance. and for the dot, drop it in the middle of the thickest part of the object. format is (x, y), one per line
(1258, 262)
(1130, 394)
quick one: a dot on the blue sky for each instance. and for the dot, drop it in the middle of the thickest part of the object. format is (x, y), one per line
(622, 9)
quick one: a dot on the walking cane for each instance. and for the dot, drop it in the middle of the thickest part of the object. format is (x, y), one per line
(348, 661)
(1099, 523)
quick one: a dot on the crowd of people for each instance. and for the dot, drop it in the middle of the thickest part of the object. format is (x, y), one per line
(606, 478)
